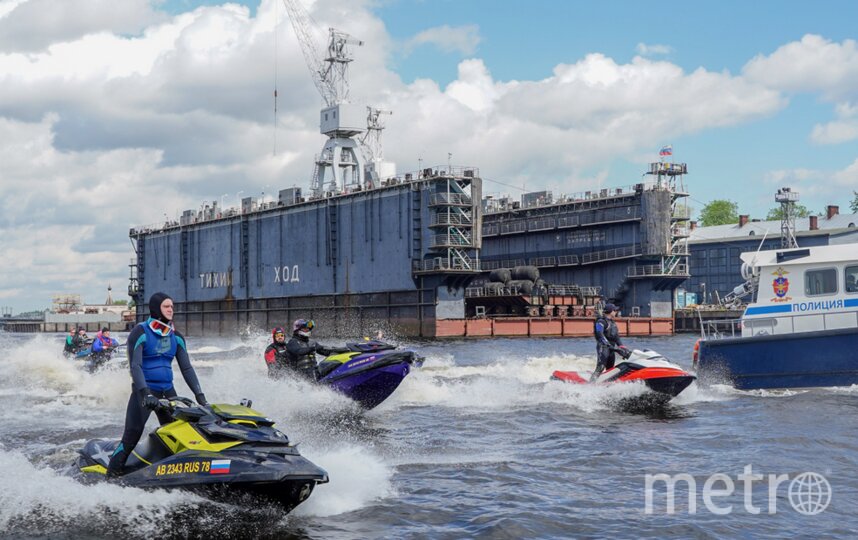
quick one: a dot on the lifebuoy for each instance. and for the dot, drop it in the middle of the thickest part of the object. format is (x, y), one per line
(696, 352)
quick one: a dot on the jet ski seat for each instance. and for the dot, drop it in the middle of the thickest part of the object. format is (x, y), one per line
(327, 366)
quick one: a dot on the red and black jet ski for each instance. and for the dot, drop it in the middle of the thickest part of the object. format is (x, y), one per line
(646, 366)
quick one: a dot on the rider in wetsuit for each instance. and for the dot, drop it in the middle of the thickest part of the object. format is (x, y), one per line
(302, 350)
(607, 341)
(152, 345)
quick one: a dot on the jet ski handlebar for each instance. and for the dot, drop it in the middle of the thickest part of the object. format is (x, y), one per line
(171, 403)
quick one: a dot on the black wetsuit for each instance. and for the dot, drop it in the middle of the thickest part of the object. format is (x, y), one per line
(302, 355)
(607, 338)
(136, 414)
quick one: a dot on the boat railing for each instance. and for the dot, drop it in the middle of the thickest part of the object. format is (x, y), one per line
(792, 324)
(720, 329)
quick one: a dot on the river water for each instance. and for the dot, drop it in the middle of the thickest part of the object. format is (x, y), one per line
(477, 443)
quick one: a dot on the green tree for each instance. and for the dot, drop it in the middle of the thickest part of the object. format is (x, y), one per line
(719, 212)
(120, 302)
(854, 204)
(777, 213)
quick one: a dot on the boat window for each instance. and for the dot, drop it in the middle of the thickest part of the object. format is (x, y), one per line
(851, 279)
(817, 282)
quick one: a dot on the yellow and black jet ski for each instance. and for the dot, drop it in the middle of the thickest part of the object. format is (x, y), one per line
(221, 451)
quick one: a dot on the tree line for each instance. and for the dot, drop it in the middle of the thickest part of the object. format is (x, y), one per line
(726, 212)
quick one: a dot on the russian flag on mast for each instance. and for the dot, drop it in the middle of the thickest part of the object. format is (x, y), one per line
(666, 150)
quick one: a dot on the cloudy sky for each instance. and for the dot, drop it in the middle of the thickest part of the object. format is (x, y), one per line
(115, 114)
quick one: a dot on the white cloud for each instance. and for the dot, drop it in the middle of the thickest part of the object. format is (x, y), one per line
(105, 130)
(645, 49)
(32, 25)
(463, 39)
(813, 64)
(817, 65)
(847, 177)
(844, 129)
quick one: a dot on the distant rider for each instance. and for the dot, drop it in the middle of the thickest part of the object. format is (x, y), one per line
(79, 342)
(301, 350)
(152, 345)
(68, 349)
(607, 341)
(276, 355)
(103, 343)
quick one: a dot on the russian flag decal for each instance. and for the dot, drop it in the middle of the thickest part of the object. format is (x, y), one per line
(220, 466)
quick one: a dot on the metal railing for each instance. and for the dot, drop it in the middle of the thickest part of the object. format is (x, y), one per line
(779, 325)
(542, 224)
(491, 229)
(451, 219)
(513, 227)
(573, 290)
(656, 270)
(609, 254)
(568, 221)
(681, 212)
(543, 261)
(440, 240)
(481, 292)
(440, 263)
(680, 249)
(450, 199)
(567, 260)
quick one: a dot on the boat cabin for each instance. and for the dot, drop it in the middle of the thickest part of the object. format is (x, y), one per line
(802, 290)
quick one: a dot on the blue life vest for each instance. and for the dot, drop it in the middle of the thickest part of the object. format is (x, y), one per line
(158, 354)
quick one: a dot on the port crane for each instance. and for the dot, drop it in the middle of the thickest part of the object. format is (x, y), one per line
(341, 162)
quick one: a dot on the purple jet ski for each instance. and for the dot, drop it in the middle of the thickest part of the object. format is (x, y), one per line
(369, 372)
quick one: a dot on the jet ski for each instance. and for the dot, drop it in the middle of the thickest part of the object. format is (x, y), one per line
(646, 366)
(92, 361)
(221, 451)
(367, 372)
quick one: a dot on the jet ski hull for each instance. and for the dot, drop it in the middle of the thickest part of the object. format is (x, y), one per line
(272, 474)
(658, 375)
(371, 387)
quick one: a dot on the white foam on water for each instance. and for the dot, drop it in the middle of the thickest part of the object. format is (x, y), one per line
(760, 392)
(206, 350)
(701, 394)
(510, 383)
(357, 479)
(29, 491)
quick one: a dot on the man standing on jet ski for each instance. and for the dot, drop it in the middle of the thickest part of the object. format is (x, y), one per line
(152, 345)
(607, 341)
(301, 350)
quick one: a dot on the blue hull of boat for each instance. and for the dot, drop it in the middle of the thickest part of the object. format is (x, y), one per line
(828, 358)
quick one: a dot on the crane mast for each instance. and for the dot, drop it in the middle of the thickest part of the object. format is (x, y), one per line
(341, 163)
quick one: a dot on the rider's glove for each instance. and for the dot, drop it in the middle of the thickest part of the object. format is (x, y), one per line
(150, 402)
